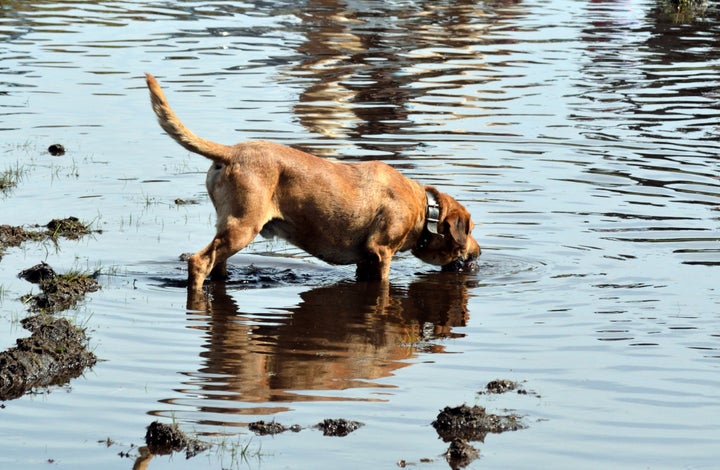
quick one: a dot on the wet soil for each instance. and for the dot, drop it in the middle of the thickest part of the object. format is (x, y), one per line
(501, 386)
(338, 427)
(460, 424)
(261, 428)
(250, 277)
(163, 439)
(473, 423)
(330, 427)
(55, 353)
(58, 291)
(70, 227)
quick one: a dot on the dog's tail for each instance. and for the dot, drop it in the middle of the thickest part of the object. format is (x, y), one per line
(171, 124)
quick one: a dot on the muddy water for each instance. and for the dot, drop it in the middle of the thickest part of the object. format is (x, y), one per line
(583, 137)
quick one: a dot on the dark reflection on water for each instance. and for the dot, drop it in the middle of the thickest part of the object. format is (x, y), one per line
(337, 337)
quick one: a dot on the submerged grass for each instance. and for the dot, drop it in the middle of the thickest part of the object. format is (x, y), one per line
(236, 453)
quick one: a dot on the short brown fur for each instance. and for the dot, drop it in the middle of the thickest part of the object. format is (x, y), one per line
(342, 213)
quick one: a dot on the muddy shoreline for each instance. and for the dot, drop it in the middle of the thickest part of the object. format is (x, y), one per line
(56, 350)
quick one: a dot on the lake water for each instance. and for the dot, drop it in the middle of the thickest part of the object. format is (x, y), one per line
(582, 136)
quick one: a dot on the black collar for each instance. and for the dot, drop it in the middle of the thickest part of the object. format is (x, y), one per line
(432, 213)
(432, 220)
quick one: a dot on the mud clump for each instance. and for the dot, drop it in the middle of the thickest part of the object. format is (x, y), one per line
(56, 150)
(13, 236)
(460, 453)
(473, 423)
(261, 428)
(56, 350)
(461, 424)
(500, 386)
(55, 353)
(338, 427)
(58, 291)
(329, 427)
(69, 227)
(163, 439)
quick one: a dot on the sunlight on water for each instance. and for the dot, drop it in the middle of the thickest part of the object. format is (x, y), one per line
(582, 136)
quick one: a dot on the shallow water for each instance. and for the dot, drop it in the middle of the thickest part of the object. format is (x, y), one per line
(582, 136)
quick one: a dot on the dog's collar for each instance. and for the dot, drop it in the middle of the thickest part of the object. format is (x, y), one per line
(432, 213)
(432, 220)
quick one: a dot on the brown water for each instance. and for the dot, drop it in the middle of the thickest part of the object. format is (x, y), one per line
(583, 137)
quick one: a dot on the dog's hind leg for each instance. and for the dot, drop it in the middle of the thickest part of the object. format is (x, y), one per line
(376, 266)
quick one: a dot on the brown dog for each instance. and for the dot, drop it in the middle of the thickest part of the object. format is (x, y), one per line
(342, 213)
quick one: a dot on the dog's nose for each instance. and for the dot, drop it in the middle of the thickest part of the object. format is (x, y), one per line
(460, 265)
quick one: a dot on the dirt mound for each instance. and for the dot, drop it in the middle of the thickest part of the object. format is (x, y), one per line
(58, 291)
(12, 236)
(473, 423)
(501, 386)
(55, 353)
(330, 427)
(338, 427)
(261, 428)
(69, 227)
(163, 439)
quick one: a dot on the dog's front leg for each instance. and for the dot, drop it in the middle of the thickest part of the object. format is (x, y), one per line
(213, 257)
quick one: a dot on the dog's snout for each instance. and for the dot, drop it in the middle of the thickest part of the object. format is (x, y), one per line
(464, 264)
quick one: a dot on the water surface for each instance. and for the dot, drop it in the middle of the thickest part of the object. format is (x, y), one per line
(582, 136)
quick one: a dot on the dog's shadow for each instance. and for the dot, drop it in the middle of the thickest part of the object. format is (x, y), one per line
(336, 337)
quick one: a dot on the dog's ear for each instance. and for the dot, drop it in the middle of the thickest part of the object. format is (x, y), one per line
(457, 227)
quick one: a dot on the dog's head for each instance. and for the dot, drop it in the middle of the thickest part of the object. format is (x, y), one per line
(453, 246)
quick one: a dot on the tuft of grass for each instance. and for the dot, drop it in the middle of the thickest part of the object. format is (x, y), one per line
(10, 177)
(234, 454)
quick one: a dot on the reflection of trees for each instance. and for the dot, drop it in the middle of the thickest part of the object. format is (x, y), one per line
(649, 74)
(367, 62)
(338, 337)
